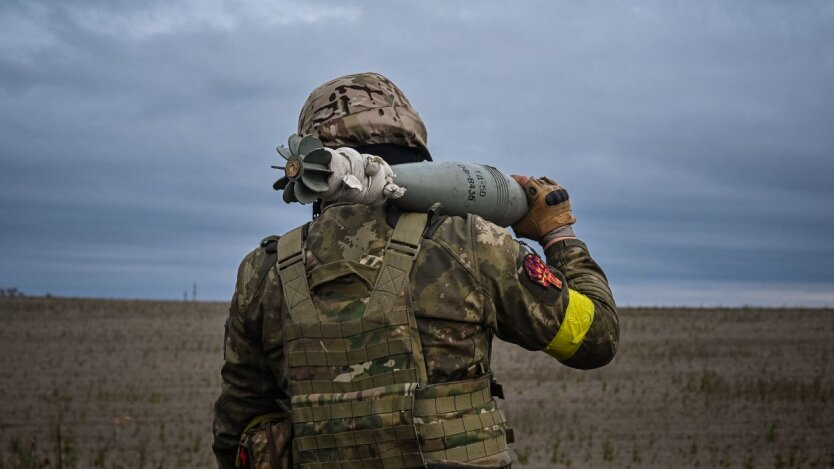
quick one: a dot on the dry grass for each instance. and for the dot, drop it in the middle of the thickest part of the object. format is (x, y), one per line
(689, 388)
(131, 383)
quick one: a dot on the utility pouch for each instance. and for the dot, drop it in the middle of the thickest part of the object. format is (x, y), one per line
(266, 443)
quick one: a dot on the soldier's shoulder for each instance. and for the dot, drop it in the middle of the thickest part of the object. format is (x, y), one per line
(266, 248)
(456, 229)
(494, 244)
(487, 233)
(448, 228)
(270, 244)
(451, 235)
(474, 241)
(254, 267)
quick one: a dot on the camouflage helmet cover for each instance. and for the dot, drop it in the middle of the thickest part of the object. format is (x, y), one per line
(362, 109)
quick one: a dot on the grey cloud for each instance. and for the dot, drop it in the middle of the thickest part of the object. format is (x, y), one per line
(696, 139)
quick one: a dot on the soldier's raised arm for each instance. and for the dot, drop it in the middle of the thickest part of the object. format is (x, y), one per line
(563, 306)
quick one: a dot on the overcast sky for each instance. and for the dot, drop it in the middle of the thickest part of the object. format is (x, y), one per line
(696, 138)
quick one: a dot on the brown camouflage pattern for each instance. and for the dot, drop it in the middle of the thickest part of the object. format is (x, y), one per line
(467, 285)
(361, 109)
(266, 445)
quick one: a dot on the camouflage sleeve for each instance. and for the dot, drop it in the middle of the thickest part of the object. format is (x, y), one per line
(563, 307)
(248, 386)
(585, 276)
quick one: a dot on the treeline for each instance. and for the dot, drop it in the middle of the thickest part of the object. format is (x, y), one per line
(11, 293)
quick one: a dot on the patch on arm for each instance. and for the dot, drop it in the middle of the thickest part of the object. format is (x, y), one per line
(543, 281)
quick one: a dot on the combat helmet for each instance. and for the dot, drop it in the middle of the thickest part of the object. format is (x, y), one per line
(361, 111)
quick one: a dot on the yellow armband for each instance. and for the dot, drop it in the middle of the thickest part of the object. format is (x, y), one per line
(578, 318)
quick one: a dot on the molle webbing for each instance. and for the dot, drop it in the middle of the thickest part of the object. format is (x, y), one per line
(347, 344)
(428, 406)
(353, 381)
(383, 379)
(460, 421)
(408, 460)
(360, 393)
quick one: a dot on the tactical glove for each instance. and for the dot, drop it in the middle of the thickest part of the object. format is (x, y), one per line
(549, 211)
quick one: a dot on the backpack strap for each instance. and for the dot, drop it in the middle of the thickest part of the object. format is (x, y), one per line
(291, 269)
(387, 298)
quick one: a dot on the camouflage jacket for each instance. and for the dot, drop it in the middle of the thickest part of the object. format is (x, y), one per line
(470, 282)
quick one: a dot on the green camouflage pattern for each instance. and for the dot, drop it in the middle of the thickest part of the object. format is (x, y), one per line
(361, 109)
(375, 422)
(265, 443)
(467, 285)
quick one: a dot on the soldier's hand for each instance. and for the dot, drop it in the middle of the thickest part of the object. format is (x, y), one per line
(549, 215)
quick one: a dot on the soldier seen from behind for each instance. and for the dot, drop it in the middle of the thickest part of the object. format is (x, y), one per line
(363, 338)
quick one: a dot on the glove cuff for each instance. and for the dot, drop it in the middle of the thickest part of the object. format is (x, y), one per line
(564, 231)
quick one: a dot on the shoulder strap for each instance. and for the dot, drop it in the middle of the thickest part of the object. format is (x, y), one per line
(258, 263)
(386, 300)
(291, 269)
(397, 261)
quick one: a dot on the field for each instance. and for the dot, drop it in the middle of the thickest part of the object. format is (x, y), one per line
(98, 383)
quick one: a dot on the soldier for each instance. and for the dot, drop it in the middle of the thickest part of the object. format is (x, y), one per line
(365, 335)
